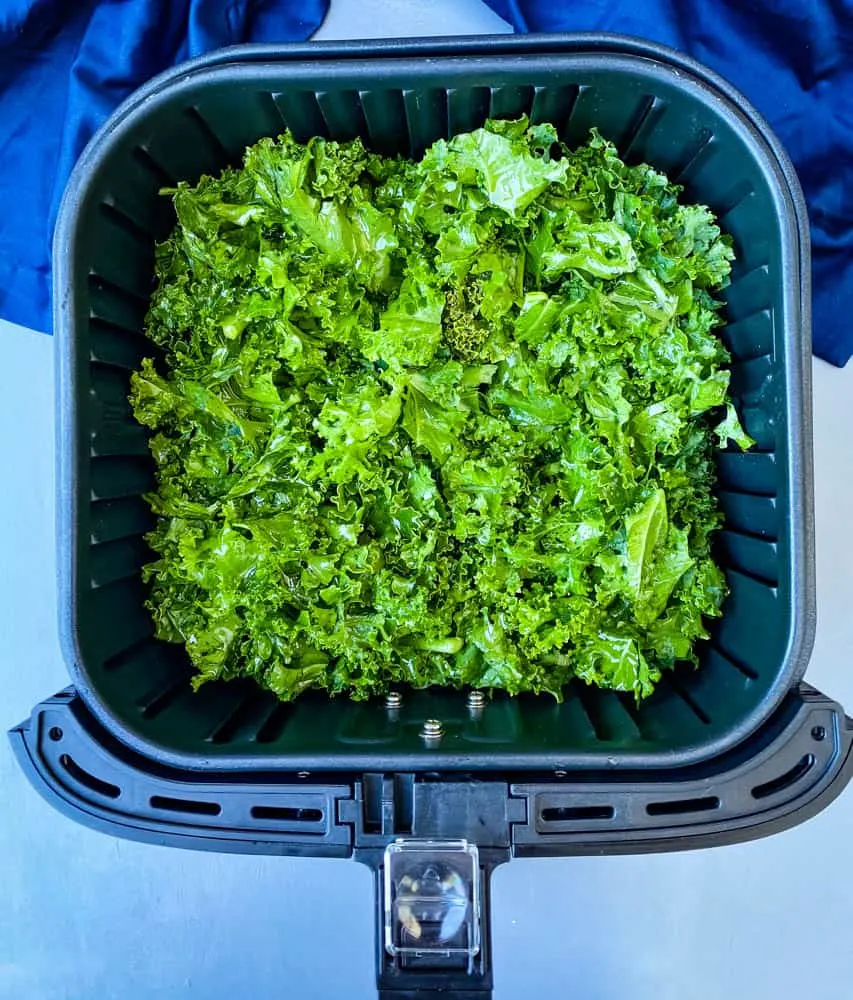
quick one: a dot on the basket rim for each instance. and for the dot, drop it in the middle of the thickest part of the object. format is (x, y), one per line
(496, 47)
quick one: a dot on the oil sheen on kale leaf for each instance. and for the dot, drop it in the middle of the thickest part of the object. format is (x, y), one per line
(447, 422)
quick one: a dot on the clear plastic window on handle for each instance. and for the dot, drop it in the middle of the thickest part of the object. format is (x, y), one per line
(432, 902)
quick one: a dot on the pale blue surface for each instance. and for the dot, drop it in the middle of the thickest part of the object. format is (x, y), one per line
(86, 917)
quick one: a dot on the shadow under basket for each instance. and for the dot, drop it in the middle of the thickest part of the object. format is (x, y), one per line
(399, 97)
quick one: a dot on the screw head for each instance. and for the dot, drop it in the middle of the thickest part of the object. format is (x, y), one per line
(393, 700)
(432, 729)
(303, 774)
(476, 700)
(560, 774)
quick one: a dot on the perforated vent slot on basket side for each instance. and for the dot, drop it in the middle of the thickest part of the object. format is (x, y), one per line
(119, 348)
(300, 112)
(754, 557)
(467, 108)
(426, 119)
(647, 115)
(554, 105)
(113, 429)
(129, 656)
(119, 517)
(341, 111)
(119, 602)
(115, 304)
(748, 472)
(610, 717)
(751, 515)
(274, 724)
(117, 560)
(147, 161)
(243, 718)
(742, 668)
(510, 102)
(385, 118)
(122, 270)
(162, 696)
(116, 476)
(751, 336)
(697, 150)
(238, 120)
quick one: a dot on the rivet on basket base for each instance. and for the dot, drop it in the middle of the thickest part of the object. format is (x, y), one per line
(432, 730)
(476, 702)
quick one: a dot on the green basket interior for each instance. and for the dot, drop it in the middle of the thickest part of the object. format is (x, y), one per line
(200, 122)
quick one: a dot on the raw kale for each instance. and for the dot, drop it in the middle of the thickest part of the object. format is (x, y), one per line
(446, 422)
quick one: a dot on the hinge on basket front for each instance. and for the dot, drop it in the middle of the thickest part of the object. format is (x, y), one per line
(388, 806)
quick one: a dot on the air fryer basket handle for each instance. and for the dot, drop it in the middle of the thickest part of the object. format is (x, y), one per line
(784, 774)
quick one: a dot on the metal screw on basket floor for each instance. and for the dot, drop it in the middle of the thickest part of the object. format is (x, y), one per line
(432, 730)
(476, 702)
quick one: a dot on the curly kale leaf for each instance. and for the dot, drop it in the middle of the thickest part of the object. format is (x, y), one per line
(445, 422)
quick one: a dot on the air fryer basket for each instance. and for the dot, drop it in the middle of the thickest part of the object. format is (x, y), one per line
(399, 97)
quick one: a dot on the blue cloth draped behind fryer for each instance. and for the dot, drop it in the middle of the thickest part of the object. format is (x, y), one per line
(794, 61)
(64, 66)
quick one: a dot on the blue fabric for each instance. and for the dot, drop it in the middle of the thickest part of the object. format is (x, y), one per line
(64, 66)
(793, 59)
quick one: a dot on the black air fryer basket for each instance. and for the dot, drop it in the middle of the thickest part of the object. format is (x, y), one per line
(433, 789)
